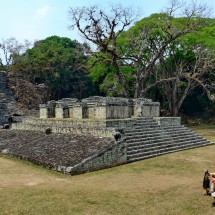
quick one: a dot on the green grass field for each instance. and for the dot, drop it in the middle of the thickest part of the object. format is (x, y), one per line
(169, 184)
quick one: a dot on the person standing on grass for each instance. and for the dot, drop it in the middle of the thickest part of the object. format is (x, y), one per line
(206, 182)
(213, 187)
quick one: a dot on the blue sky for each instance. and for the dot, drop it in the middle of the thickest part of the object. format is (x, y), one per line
(38, 19)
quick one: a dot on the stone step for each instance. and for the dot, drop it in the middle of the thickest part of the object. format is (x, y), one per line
(188, 136)
(145, 126)
(145, 139)
(145, 122)
(145, 132)
(149, 142)
(137, 143)
(144, 119)
(135, 132)
(149, 121)
(141, 156)
(158, 130)
(133, 159)
(176, 128)
(162, 146)
(134, 147)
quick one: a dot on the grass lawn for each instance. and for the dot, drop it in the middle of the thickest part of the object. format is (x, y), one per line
(169, 184)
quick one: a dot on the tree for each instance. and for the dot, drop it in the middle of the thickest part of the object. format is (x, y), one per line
(11, 49)
(184, 71)
(57, 62)
(144, 51)
(186, 63)
(103, 29)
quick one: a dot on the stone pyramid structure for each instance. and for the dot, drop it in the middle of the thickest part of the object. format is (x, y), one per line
(149, 139)
(105, 132)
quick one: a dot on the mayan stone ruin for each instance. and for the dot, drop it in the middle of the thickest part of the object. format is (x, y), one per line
(7, 99)
(100, 108)
(76, 136)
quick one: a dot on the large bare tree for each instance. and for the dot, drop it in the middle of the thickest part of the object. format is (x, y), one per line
(146, 47)
(102, 29)
(11, 48)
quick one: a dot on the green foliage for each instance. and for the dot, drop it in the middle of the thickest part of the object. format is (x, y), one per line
(197, 104)
(153, 33)
(105, 78)
(204, 35)
(59, 63)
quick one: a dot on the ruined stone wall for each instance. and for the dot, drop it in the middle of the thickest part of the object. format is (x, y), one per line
(101, 128)
(114, 123)
(63, 126)
(168, 121)
(146, 108)
(7, 100)
(77, 112)
(112, 156)
(150, 110)
(91, 112)
(100, 112)
(118, 112)
(43, 111)
(54, 150)
(105, 108)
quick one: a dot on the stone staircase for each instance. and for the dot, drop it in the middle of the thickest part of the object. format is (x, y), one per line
(147, 139)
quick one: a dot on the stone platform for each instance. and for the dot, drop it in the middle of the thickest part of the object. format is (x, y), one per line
(102, 128)
(76, 146)
(54, 151)
(75, 136)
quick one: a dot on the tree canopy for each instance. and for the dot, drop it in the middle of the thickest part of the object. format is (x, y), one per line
(59, 63)
(182, 62)
(166, 56)
(160, 50)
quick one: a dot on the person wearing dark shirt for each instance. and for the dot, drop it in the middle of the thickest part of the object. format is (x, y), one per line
(206, 182)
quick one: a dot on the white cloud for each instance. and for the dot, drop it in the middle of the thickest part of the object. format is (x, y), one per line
(42, 12)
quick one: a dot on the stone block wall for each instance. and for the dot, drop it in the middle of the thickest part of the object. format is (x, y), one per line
(112, 156)
(168, 121)
(103, 108)
(61, 111)
(44, 111)
(78, 112)
(118, 112)
(98, 129)
(100, 112)
(8, 104)
(91, 112)
(146, 108)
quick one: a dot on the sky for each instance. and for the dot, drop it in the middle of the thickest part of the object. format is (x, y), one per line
(38, 19)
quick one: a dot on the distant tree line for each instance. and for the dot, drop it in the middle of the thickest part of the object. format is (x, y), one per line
(166, 57)
(57, 62)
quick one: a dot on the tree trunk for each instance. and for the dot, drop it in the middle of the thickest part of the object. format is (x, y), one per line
(171, 89)
(121, 78)
(138, 86)
(174, 109)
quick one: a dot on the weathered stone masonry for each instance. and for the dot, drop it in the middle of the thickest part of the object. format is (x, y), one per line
(7, 99)
(96, 107)
(130, 129)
